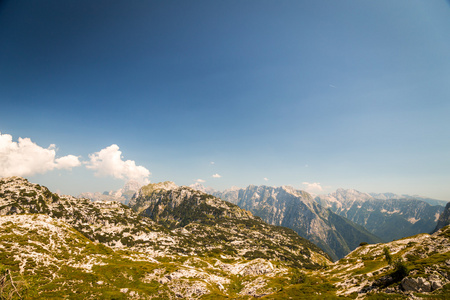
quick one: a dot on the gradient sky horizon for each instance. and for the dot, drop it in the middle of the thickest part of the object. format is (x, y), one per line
(315, 94)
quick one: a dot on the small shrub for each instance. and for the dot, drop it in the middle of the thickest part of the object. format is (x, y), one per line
(298, 277)
(387, 255)
(400, 270)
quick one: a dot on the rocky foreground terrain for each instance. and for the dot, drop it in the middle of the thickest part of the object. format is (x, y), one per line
(413, 267)
(60, 245)
(175, 242)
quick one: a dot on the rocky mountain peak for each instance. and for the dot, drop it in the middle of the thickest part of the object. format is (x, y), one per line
(200, 187)
(166, 200)
(233, 188)
(131, 185)
(147, 191)
(289, 189)
(350, 195)
(155, 187)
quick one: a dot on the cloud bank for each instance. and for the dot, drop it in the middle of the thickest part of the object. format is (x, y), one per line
(108, 162)
(25, 158)
(216, 176)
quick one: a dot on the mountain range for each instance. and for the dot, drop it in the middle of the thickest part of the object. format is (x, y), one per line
(122, 195)
(340, 221)
(386, 196)
(388, 217)
(337, 222)
(295, 209)
(176, 242)
(184, 253)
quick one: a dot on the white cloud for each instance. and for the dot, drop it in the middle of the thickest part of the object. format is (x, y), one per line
(216, 176)
(25, 158)
(212, 163)
(266, 179)
(108, 162)
(200, 180)
(312, 187)
(67, 162)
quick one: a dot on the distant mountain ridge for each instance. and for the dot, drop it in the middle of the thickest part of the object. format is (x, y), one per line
(296, 209)
(122, 195)
(387, 196)
(387, 218)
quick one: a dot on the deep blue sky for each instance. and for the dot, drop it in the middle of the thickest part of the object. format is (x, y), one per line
(347, 93)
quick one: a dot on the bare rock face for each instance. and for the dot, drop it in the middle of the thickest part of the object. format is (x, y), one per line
(444, 218)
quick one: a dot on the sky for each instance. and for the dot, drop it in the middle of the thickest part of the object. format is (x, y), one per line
(319, 95)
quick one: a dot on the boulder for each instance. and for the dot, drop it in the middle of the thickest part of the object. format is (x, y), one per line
(419, 284)
(435, 281)
(435, 284)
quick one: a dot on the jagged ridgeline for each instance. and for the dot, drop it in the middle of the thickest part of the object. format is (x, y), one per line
(390, 217)
(222, 227)
(295, 209)
(179, 243)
